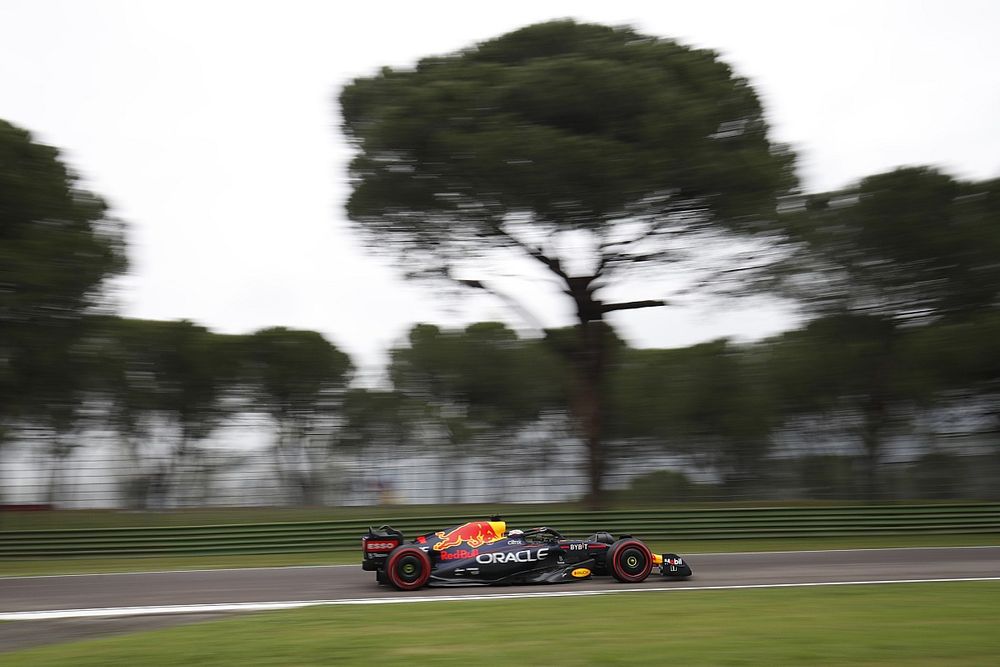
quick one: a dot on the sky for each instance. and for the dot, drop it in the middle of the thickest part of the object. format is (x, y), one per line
(212, 129)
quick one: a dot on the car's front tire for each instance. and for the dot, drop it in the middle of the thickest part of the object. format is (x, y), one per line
(408, 568)
(629, 561)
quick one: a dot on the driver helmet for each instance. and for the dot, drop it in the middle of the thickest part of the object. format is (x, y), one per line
(516, 534)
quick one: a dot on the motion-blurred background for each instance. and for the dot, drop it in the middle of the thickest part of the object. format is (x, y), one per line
(637, 269)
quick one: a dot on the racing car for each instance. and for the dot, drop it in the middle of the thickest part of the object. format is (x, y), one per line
(484, 553)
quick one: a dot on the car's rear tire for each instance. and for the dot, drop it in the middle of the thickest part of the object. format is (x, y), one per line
(408, 568)
(629, 561)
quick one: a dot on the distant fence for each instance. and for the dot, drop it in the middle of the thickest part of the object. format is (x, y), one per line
(693, 524)
(238, 470)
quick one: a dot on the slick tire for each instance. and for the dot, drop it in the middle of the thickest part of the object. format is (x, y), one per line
(408, 568)
(629, 561)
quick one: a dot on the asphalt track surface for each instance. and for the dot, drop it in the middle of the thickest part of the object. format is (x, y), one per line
(331, 584)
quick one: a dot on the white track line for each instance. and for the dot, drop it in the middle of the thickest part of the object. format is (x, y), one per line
(271, 606)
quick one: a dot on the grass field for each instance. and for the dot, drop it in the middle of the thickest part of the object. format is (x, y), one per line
(684, 547)
(950, 624)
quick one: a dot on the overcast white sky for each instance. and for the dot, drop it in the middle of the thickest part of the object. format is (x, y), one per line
(211, 128)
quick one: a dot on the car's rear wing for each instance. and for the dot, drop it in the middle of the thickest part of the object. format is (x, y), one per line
(377, 544)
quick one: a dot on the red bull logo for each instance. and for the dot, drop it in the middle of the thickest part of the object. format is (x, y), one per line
(475, 534)
(461, 553)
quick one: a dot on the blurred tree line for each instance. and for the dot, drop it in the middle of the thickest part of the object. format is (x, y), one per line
(649, 155)
(603, 155)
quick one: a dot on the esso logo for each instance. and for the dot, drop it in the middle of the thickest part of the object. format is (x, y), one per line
(380, 546)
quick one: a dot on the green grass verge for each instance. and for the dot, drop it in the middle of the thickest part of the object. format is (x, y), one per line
(683, 547)
(917, 625)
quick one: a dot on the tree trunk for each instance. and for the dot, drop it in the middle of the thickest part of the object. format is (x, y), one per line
(59, 453)
(591, 366)
(872, 440)
(876, 413)
(55, 479)
(589, 415)
(588, 358)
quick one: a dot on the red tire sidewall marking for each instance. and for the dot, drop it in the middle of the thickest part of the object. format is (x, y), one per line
(390, 569)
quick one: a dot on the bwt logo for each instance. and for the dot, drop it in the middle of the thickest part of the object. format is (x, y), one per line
(513, 557)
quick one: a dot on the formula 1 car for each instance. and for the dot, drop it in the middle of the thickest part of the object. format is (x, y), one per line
(483, 553)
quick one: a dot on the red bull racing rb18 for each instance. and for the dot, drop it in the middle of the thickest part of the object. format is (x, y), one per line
(483, 553)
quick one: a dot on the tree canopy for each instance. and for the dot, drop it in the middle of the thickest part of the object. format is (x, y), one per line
(592, 150)
(912, 245)
(485, 372)
(901, 251)
(298, 378)
(557, 127)
(58, 249)
(294, 372)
